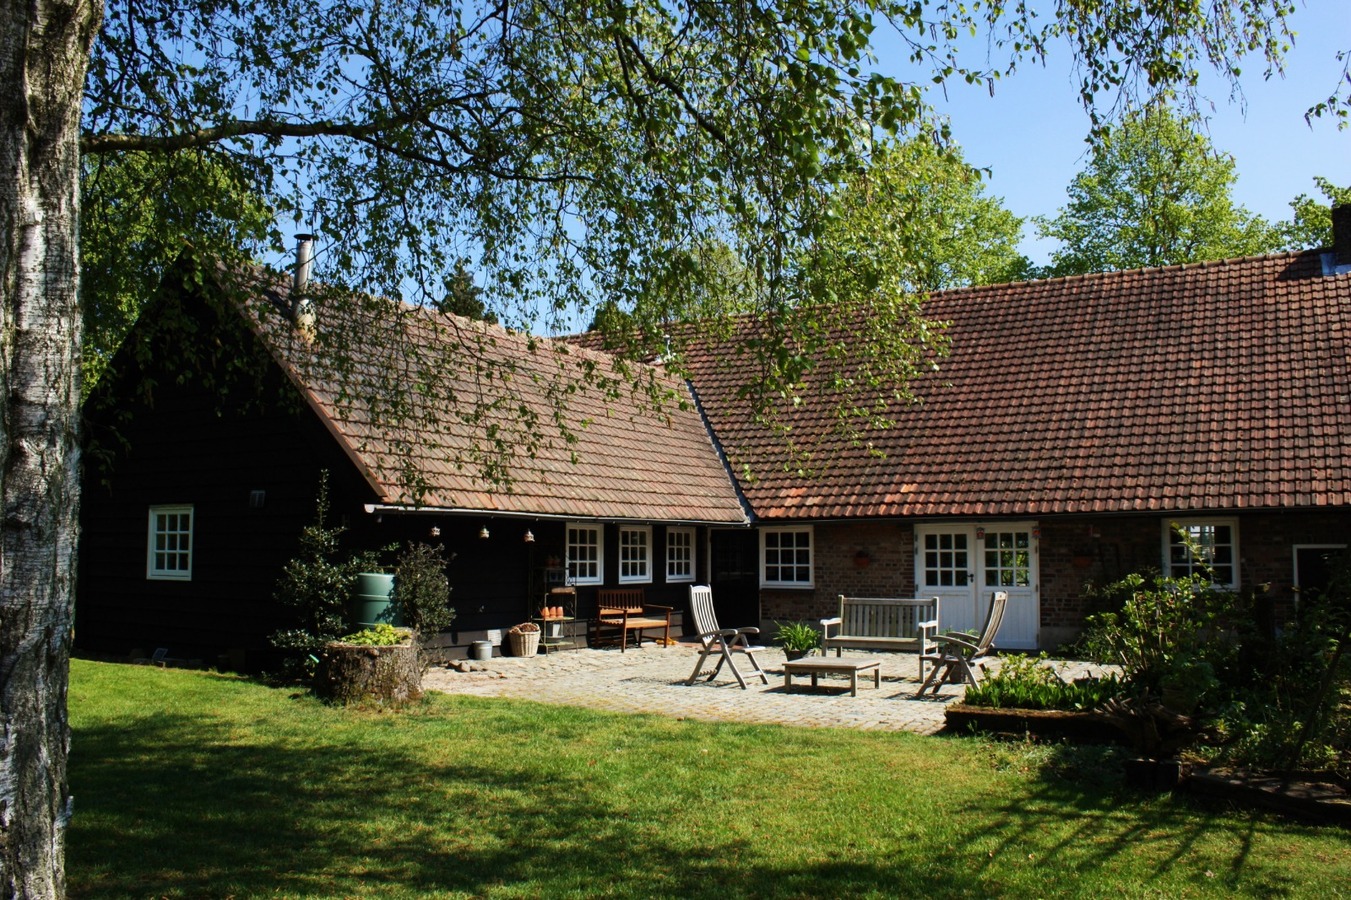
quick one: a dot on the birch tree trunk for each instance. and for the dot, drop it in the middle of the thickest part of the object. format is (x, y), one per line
(44, 51)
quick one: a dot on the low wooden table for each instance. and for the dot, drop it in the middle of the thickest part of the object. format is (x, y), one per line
(816, 665)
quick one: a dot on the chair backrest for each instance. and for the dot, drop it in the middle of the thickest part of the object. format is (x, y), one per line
(618, 600)
(998, 600)
(701, 608)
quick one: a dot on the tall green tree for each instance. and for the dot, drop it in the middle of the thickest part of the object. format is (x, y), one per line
(564, 146)
(139, 212)
(918, 219)
(464, 298)
(1154, 193)
(1310, 222)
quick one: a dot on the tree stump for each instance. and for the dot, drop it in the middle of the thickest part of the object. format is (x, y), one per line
(356, 673)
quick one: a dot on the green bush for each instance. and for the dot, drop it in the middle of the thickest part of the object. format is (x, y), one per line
(1290, 706)
(421, 590)
(1024, 682)
(1170, 637)
(316, 585)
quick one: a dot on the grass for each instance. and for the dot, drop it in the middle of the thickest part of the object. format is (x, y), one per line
(192, 784)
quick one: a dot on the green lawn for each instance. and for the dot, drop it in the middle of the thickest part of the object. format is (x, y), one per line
(190, 784)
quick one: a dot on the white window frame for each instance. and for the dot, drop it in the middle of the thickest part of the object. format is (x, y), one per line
(575, 576)
(1203, 521)
(635, 568)
(156, 555)
(679, 556)
(765, 580)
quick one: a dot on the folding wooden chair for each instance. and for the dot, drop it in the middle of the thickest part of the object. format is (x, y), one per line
(722, 641)
(957, 650)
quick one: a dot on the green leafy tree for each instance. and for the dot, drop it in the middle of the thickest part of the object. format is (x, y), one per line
(918, 219)
(563, 146)
(1154, 193)
(1310, 224)
(139, 211)
(464, 298)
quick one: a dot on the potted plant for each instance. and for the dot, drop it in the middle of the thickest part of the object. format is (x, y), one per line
(798, 639)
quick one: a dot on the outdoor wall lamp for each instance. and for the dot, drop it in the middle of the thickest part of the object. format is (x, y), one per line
(483, 533)
(529, 536)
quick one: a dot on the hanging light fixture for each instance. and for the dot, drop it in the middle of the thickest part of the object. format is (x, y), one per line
(529, 536)
(435, 531)
(483, 533)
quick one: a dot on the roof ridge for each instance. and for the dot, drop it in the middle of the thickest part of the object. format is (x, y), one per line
(1138, 270)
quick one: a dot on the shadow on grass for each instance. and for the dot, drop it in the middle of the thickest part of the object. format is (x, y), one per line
(179, 804)
(1199, 847)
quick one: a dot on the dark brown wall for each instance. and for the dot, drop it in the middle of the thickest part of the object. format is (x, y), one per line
(191, 448)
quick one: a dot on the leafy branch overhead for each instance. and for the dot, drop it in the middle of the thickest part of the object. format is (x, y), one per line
(601, 156)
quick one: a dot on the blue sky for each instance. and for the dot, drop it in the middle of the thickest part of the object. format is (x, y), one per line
(1030, 134)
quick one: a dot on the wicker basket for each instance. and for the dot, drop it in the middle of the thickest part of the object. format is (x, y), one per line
(524, 640)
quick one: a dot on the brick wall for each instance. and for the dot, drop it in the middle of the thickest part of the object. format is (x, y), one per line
(867, 559)
(877, 559)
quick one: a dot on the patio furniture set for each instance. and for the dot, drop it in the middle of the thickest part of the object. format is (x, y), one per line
(863, 623)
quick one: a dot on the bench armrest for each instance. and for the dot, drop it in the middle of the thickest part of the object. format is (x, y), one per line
(827, 623)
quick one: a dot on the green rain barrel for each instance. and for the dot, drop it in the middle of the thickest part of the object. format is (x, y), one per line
(370, 605)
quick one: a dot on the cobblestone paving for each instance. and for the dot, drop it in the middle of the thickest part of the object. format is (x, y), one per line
(651, 679)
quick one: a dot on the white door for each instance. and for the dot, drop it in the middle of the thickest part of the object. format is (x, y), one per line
(963, 564)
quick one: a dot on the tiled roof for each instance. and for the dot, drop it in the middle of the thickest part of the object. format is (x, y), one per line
(1217, 386)
(623, 459)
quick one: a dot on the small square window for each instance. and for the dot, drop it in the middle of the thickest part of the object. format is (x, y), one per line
(786, 557)
(169, 544)
(1203, 547)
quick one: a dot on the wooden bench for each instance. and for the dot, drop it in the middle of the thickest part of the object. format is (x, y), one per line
(620, 611)
(884, 623)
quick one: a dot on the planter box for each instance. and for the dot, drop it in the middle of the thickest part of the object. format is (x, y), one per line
(1305, 796)
(1084, 727)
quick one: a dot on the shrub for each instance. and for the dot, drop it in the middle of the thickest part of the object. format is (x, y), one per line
(1168, 637)
(316, 585)
(1291, 705)
(1024, 682)
(422, 594)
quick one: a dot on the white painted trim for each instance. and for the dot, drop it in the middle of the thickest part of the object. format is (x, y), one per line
(574, 577)
(1232, 521)
(646, 576)
(811, 557)
(153, 572)
(692, 545)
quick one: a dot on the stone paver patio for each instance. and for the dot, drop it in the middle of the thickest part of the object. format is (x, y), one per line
(651, 679)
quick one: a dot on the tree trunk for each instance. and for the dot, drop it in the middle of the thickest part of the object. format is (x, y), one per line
(44, 51)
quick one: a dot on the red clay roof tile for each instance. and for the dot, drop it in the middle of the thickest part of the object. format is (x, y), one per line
(1225, 385)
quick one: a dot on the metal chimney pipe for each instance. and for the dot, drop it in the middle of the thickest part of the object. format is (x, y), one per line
(304, 259)
(302, 308)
